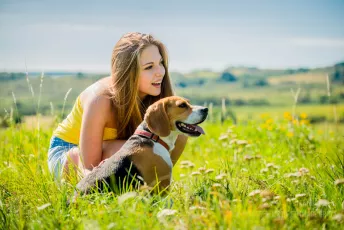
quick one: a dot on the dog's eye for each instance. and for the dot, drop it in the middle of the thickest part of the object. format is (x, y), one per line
(182, 105)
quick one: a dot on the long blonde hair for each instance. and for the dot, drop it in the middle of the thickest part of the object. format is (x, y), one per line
(129, 109)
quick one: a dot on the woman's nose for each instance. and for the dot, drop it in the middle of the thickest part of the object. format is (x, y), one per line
(160, 72)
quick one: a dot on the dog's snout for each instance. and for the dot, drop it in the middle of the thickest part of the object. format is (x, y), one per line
(205, 110)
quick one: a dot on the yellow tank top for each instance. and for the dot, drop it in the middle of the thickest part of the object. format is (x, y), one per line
(69, 129)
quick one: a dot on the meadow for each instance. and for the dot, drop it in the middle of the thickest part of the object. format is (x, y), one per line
(273, 172)
(265, 167)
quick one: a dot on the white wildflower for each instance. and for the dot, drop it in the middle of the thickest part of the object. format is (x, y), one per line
(264, 206)
(234, 141)
(197, 208)
(220, 176)
(217, 185)
(300, 195)
(267, 194)
(166, 212)
(254, 192)
(242, 142)
(264, 170)
(202, 169)
(223, 136)
(270, 165)
(208, 171)
(322, 203)
(126, 196)
(44, 206)
(338, 217)
(297, 174)
(339, 181)
(195, 174)
(304, 170)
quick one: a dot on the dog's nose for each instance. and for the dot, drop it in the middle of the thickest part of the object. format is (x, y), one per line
(205, 110)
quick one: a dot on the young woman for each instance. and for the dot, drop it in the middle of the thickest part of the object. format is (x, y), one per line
(107, 113)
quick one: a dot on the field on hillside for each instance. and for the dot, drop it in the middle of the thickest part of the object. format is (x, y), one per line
(270, 172)
(56, 93)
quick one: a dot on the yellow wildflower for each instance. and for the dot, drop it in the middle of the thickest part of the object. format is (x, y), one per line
(269, 121)
(263, 126)
(290, 134)
(303, 115)
(287, 116)
(304, 122)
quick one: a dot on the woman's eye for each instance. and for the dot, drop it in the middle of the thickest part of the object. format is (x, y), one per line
(149, 67)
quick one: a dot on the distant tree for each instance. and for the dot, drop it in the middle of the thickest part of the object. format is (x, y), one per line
(341, 95)
(338, 75)
(324, 99)
(239, 102)
(227, 76)
(305, 99)
(261, 82)
(80, 75)
(302, 70)
(4, 76)
(290, 71)
(181, 84)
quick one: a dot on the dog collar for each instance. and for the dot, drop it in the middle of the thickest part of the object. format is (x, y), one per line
(153, 137)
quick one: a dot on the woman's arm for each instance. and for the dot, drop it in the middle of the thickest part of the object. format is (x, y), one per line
(95, 112)
(179, 148)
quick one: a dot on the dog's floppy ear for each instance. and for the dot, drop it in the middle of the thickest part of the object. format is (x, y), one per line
(157, 119)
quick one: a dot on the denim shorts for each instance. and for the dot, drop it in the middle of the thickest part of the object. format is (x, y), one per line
(57, 156)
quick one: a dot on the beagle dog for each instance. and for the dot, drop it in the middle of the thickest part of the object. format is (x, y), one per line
(145, 156)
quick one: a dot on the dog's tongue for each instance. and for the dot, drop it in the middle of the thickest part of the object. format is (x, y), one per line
(199, 129)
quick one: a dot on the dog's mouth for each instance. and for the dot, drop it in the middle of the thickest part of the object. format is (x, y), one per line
(190, 129)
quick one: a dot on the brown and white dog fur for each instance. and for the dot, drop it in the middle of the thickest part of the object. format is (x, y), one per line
(145, 158)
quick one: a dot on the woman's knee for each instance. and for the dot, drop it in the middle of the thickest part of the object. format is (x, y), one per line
(73, 157)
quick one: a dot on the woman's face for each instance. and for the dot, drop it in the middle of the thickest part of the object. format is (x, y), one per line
(151, 73)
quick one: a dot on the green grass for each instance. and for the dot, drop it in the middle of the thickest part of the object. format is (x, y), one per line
(280, 159)
(266, 172)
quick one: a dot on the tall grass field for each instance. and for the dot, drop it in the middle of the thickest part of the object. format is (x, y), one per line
(274, 166)
(271, 172)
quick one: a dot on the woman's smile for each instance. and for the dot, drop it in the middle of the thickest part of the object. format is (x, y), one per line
(156, 84)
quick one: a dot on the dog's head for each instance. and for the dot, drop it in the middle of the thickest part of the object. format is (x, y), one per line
(175, 113)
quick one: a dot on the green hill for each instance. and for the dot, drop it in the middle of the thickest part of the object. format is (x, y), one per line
(246, 86)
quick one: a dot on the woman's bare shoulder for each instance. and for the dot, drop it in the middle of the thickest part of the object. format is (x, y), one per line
(97, 91)
(97, 94)
(97, 97)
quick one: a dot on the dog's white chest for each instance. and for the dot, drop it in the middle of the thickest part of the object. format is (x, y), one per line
(160, 150)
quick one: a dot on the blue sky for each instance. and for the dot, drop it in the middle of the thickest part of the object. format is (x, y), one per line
(80, 35)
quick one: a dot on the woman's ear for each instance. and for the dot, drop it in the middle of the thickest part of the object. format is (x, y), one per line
(157, 119)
